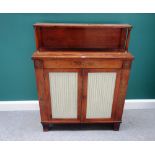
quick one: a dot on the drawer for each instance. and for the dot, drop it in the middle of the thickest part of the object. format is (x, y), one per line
(82, 63)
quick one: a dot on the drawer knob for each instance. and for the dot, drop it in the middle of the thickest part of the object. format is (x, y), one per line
(77, 62)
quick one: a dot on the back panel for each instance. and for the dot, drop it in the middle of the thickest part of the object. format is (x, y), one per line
(75, 37)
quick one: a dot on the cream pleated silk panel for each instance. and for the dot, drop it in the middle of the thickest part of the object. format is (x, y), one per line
(101, 87)
(64, 91)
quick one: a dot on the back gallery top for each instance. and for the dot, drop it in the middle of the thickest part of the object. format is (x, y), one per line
(82, 37)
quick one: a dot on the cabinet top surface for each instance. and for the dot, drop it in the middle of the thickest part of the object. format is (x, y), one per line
(81, 25)
(81, 55)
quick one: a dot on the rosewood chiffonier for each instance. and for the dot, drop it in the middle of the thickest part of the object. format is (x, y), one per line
(82, 72)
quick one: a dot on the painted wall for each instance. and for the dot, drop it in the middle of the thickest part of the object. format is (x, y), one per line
(17, 79)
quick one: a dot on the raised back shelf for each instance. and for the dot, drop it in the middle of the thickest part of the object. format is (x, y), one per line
(82, 37)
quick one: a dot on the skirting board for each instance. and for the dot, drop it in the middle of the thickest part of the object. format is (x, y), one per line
(33, 105)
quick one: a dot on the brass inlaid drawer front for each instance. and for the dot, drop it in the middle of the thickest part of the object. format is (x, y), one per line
(88, 63)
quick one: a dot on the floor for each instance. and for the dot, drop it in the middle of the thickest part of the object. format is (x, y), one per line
(137, 125)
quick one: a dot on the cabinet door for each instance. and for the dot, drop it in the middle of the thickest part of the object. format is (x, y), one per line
(63, 94)
(100, 88)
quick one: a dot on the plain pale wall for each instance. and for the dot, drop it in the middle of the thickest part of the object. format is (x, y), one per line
(17, 78)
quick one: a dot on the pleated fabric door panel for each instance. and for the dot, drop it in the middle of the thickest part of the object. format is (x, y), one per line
(100, 94)
(64, 93)
(64, 97)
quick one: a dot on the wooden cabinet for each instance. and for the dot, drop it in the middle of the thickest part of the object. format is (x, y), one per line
(82, 72)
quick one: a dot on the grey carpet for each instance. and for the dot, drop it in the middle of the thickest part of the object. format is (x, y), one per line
(25, 125)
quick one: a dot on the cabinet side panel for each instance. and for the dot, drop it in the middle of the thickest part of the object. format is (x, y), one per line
(123, 89)
(38, 64)
(64, 92)
(100, 94)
